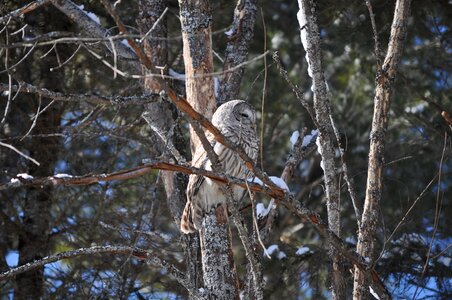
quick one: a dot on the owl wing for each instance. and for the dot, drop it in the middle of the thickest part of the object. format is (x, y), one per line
(200, 160)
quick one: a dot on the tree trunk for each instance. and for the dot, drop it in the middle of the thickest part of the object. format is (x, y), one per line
(382, 101)
(196, 21)
(237, 50)
(161, 118)
(325, 138)
(34, 238)
(218, 268)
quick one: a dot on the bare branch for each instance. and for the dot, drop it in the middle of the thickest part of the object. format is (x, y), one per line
(24, 87)
(295, 89)
(141, 254)
(78, 16)
(282, 196)
(375, 32)
(23, 10)
(20, 153)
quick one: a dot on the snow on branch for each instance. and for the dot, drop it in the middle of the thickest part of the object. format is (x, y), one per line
(90, 24)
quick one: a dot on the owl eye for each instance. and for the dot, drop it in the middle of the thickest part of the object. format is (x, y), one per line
(244, 115)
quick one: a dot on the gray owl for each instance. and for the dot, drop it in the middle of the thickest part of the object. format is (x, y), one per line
(236, 120)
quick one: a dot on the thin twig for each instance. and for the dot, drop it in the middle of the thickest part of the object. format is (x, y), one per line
(20, 153)
(154, 25)
(375, 32)
(295, 89)
(438, 208)
(348, 179)
(24, 87)
(264, 92)
(402, 221)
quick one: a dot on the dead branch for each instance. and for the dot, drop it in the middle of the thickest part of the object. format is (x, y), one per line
(20, 153)
(23, 10)
(24, 87)
(295, 89)
(282, 196)
(78, 16)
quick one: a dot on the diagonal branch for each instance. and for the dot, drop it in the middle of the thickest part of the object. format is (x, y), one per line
(280, 195)
(93, 29)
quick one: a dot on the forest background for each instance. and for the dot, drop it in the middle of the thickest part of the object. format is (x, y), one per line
(69, 106)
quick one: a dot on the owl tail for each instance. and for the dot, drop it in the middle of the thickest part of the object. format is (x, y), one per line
(186, 223)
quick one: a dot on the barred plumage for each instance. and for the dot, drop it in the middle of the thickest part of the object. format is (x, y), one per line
(236, 120)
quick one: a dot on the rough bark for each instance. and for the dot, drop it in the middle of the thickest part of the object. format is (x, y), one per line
(217, 257)
(382, 101)
(160, 116)
(325, 139)
(219, 280)
(196, 21)
(242, 32)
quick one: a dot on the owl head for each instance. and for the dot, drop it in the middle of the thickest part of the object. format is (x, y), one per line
(235, 113)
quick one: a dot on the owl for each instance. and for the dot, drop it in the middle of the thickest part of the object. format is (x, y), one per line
(236, 120)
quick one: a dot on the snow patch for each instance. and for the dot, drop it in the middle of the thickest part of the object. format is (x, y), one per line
(216, 85)
(302, 250)
(275, 179)
(281, 255)
(261, 211)
(230, 32)
(24, 176)
(373, 293)
(272, 249)
(91, 15)
(319, 149)
(62, 175)
(256, 180)
(279, 182)
(294, 137)
(350, 240)
(126, 43)
(14, 180)
(303, 34)
(309, 137)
